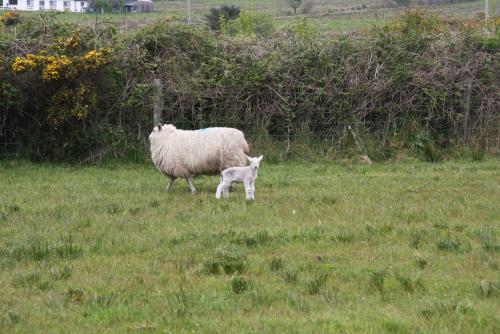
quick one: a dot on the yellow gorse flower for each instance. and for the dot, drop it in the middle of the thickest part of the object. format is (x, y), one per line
(56, 68)
(30, 62)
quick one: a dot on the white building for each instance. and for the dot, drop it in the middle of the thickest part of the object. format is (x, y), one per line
(59, 5)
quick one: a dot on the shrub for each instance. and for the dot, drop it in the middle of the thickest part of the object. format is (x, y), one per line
(10, 19)
(239, 284)
(68, 98)
(224, 13)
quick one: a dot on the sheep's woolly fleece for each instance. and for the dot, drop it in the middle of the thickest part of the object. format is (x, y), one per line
(186, 153)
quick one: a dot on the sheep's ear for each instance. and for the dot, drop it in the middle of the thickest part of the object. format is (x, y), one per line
(159, 126)
(260, 158)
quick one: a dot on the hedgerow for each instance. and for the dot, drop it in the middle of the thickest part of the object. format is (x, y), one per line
(418, 85)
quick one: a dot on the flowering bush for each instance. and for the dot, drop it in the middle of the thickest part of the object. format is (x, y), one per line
(10, 19)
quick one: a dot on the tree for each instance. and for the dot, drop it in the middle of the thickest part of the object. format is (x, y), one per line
(405, 3)
(225, 12)
(294, 4)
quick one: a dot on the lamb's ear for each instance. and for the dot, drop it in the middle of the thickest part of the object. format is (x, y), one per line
(159, 126)
(260, 158)
(248, 158)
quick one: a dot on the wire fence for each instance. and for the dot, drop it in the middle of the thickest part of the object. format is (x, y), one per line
(343, 139)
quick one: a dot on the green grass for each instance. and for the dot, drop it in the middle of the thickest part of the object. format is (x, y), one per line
(326, 247)
(331, 16)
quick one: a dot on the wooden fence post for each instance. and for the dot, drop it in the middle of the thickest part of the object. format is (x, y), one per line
(486, 11)
(158, 102)
(468, 93)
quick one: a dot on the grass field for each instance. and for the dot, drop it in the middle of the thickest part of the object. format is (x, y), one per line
(331, 16)
(326, 247)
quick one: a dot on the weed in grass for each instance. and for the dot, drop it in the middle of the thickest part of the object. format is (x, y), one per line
(290, 275)
(114, 208)
(416, 239)
(422, 263)
(135, 211)
(277, 264)
(299, 303)
(441, 226)
(86, 223)
(74, 295)
(14, 317)
(377, 279)
(61, 274)
(411, 216)
(27, 280)
(253, 239)
(445, 307)
(231, 260)
(344, 237)
(409, 284)
(487, 237)
(239, 284)
(478, 155)
(394, 326)
(39, 251)
(181, 308)
(260, 298)
(449, 244)
(314, 286)
(374, 230)
(486, 289)
(103, 300)
(211, 267)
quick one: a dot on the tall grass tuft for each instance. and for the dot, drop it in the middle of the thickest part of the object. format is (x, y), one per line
(487, 289)
(314, 286)
(377, 280)
(239, 284)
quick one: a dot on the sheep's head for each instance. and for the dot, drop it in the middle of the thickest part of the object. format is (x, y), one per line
(161, 129)
(255, 162)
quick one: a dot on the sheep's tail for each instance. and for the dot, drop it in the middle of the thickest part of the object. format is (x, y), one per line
(246, 147)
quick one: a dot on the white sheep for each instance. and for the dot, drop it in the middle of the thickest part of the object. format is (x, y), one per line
(247, 175)
(187, 153)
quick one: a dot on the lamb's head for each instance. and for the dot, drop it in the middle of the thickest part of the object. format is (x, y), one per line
(255, 162)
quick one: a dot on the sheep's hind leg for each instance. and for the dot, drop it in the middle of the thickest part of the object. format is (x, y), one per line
(190, 182)
(171, 180)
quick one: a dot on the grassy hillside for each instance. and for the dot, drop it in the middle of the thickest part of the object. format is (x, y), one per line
(410, 247)
(331, 15)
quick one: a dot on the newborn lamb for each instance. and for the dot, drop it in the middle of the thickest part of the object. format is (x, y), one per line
(247, 175)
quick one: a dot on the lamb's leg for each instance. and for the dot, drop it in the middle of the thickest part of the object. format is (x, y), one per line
(248, 189)
(171, 180)
(252, 188)
(190, 182)
(225, 185)
(225, 188)
(219, 190)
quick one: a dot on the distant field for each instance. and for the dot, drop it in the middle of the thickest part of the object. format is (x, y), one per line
(330, 15)
(326, 247)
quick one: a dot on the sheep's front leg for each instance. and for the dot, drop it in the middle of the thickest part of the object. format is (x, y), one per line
(171, 180)
(190, 182)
